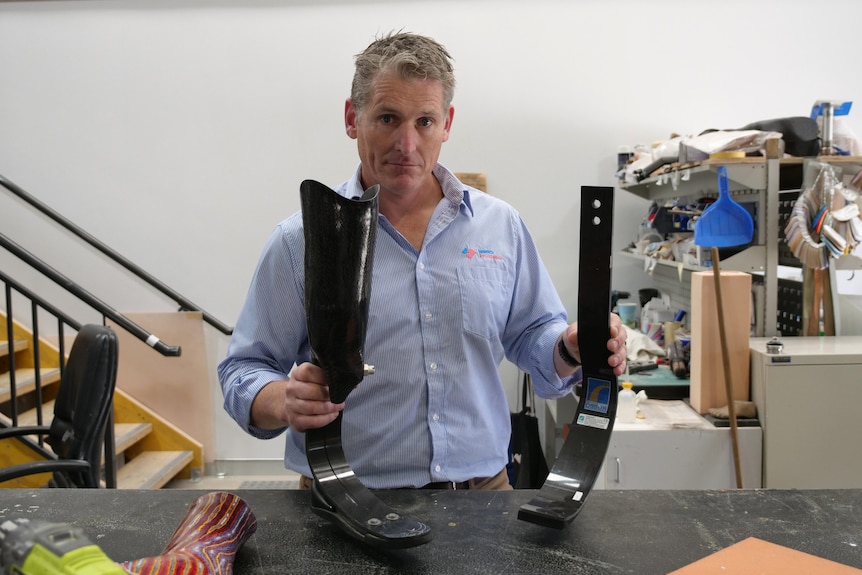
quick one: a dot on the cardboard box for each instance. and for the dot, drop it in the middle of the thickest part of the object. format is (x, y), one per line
(707, 387)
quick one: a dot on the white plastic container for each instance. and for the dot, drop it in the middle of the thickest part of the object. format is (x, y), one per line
(627, 404)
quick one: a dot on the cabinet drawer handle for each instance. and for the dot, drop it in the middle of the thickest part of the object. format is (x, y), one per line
(619, 470)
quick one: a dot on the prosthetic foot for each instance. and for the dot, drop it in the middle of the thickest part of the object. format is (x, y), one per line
(339, 249)
(574, 473)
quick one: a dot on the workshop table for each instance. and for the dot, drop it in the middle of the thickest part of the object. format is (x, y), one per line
(641, 532)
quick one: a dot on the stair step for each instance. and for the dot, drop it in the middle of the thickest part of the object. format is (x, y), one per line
(152, 469)
(17, 345)
(128, 434)
(125, 434)
(28, 418)
(25, 381)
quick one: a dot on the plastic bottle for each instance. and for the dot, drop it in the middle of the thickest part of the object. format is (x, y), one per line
(627, 404)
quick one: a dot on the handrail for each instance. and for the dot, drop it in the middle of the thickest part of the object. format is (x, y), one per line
(185, 305)
(90, 299)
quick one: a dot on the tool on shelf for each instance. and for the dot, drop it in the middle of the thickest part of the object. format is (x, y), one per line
(725, 224)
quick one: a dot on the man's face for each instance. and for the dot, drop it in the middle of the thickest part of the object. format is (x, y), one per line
(399, 132)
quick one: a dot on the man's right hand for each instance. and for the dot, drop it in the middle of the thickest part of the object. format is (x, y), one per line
(300, 402)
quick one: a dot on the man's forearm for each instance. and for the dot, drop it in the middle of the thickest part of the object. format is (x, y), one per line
(267, 407)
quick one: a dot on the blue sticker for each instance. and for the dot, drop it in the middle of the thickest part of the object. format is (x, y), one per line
(598, 395)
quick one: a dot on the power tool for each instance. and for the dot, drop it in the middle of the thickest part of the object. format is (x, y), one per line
(32, 547)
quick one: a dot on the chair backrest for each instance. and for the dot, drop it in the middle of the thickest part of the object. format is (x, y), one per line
(83, 404)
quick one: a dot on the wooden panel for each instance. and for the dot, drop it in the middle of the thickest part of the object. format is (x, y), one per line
(707, 370)
(475, 179)
(175, 388)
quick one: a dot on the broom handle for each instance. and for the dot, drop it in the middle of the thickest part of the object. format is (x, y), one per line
(725, 357)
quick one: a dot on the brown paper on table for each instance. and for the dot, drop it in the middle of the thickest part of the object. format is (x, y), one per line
(754, 556)
(707, 387)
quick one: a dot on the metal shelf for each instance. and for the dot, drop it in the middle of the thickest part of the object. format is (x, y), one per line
(702, 179)
(750, 180)
(757, 180)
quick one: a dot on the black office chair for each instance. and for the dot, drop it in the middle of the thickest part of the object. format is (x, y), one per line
(81, 412)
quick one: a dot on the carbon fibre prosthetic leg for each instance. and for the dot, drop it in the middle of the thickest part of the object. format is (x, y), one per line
(574, 473)
(339, 248)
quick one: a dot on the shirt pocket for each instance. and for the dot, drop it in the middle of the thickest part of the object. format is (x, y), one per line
(484, 300)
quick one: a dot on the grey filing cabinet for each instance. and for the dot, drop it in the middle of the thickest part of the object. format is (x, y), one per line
(809, 402)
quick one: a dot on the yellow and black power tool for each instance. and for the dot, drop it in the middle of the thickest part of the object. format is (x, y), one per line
(32, 547)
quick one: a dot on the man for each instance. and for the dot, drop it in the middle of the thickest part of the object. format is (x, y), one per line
(457, 286)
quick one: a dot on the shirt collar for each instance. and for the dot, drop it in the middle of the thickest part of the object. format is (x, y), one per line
(453, 189)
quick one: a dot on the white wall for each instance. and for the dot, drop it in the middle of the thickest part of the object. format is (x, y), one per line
(178, 131)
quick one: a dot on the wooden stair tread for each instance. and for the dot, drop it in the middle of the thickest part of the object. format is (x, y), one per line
(17, 345)
(28, 418)
(127, 434)
(25, 381)
(152, 469)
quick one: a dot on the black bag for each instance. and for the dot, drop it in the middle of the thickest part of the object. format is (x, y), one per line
(800, 134)
(527, 467)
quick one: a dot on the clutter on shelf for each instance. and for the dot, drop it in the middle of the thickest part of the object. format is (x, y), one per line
(656, 328)
(666, 231)
(821, 133)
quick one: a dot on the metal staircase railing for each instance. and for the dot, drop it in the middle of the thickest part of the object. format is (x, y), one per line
(184, 303)
(39, 307)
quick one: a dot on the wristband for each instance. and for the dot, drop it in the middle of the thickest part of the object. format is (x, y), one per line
(565, 355)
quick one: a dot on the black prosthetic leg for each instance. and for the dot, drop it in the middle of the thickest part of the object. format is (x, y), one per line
(339, 249)
(572, 477)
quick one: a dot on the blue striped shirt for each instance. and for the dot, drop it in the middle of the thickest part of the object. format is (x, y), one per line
(441, 320)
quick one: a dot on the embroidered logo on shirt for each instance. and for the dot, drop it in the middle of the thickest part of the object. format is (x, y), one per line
(489, 254)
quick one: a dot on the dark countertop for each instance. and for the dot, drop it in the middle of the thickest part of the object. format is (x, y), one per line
(640, 532)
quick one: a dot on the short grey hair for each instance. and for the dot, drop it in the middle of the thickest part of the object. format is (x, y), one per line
(410, 55)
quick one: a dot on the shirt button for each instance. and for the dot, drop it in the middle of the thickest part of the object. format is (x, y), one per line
(433, 366)
(436, 417)
(438, 469)
(421, 266)
(428, 315)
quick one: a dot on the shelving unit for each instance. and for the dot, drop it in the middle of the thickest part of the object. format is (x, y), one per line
(751, 180)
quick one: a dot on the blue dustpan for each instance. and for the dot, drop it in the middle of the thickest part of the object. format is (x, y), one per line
(724, 223)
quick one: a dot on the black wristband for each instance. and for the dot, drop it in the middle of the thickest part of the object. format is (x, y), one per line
(565, 355)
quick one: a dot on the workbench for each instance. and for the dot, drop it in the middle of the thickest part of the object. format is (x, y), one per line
(640, 532)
